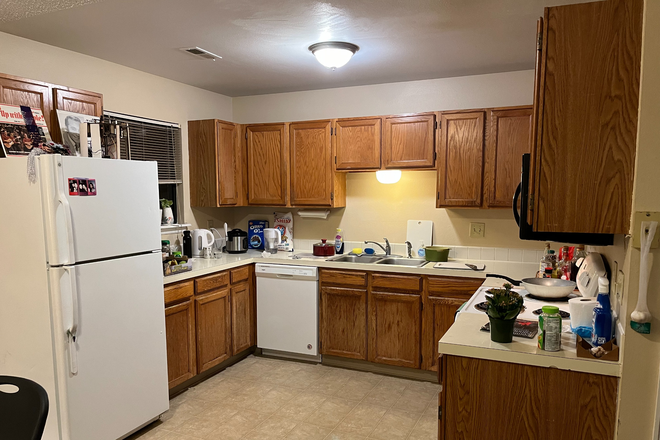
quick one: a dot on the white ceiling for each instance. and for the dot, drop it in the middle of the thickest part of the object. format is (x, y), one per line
(264, 42)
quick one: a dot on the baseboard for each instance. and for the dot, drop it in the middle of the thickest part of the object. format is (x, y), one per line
(386, 370)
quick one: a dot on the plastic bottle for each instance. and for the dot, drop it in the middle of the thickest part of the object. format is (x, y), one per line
(339, 242)
(542, 263)
(421, 249)
(602, 322)
(549, 338)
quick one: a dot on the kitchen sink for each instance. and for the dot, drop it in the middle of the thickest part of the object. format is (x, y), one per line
(355, 259)
(413, 262)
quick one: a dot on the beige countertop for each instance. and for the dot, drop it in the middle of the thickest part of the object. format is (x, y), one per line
(201, 266)
(465, 339)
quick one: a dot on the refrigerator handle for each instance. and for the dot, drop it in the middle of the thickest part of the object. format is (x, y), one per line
(72, 329)
(71, 259)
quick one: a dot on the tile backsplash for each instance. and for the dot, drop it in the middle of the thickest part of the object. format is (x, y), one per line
(457, 252)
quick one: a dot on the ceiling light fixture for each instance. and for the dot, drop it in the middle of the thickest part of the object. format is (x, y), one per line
(333, 54)
(388, 176)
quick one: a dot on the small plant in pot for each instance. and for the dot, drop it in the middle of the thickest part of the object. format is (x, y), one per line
(504, 305)
(167, 215)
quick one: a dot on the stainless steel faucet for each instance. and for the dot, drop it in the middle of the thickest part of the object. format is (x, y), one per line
(387, 249)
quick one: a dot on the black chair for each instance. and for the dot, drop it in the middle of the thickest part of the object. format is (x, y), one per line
(23, 413)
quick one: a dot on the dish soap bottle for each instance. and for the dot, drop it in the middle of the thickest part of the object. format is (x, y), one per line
(339, 242)
(421, 249)
(602, 321)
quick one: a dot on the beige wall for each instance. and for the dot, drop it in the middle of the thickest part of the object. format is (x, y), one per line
(374, 210)
(124, 90)
(641, 355)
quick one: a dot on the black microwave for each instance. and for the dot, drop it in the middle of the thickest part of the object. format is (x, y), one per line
(528, 233)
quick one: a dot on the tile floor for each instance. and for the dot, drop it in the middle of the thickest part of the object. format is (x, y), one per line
(265, 399)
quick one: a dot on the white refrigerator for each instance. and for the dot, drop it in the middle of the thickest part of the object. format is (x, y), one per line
(81, 292)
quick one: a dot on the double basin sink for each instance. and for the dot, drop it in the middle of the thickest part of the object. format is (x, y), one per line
(374, 259)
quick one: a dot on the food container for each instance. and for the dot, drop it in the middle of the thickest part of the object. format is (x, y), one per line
(324, 249)
(437, 253)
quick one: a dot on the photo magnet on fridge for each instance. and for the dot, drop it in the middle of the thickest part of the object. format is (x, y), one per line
(91, 187)
(73, 187)
(82, 187)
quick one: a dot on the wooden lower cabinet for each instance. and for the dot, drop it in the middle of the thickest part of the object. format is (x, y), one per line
(180, 334)
(213, 325)
(241, 317)
(395, 321)
(438, 316)
(483, 399)
(344, 322)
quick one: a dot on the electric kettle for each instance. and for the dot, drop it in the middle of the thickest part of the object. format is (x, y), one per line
(201, 239)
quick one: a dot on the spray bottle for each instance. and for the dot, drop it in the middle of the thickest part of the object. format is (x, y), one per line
(602, 321)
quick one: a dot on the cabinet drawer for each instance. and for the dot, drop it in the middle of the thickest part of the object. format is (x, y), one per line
(215, 281)
(396, 282)
(240, 274)
(178, 291)
(453, 286)
(344, 278)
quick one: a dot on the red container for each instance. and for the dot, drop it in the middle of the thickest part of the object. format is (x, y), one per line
(324, 249)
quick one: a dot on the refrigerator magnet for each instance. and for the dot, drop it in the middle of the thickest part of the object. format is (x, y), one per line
(73, 187)
(82, 187)
(91, 187)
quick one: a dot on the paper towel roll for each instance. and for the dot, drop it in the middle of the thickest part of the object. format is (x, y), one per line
(582, 311)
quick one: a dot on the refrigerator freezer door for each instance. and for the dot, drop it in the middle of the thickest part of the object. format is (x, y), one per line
(120, 381)
(121, 216)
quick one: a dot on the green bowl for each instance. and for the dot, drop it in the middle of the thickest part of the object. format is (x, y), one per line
(437, 253)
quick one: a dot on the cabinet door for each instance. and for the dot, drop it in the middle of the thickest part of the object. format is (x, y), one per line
(438, 316)
(19, 91)
(587, 134)
(79, 101)
(180, 334)
(213, 329)
(394, 328)
(508, 139)
(226, 163)
(460, 165)
(311, 163)
(241, 317)
(409, 142)
(267, 164)
(344, 322)
(357, 144)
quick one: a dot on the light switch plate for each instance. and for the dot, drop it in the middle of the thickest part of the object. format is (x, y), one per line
(477, 230)
(638, 218)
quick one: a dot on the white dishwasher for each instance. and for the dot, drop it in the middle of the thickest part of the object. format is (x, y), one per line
(288, 311)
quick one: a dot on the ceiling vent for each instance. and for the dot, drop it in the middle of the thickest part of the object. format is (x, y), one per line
(199, 52)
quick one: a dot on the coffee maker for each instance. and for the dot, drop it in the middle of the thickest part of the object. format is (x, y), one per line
(272, 238)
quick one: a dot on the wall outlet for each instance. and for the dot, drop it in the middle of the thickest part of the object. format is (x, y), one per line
(477, 230)
(209, 224)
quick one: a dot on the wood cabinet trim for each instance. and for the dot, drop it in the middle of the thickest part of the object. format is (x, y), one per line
(453, 287)
(239, 274)
(343, 278)
(412, 283)
(178, 291)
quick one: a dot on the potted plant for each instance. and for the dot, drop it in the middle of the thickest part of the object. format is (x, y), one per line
(504, 305)
(167, 217)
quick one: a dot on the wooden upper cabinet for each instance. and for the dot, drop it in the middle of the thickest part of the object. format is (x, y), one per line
(311, 163)
(394, 328)
(35, 94)
(358, 144)
(213, 159)
(409, 141)
(213, 329)
(460, 163)
(78, 101)
(267, 160)
(584, 150)
(508, 139)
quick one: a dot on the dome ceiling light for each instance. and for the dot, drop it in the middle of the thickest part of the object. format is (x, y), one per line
(333, 54)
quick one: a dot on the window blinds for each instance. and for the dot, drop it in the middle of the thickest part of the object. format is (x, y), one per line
(148, 139)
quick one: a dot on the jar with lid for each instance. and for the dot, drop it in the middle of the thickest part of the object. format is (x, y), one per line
(549, 338)
(165, 248)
